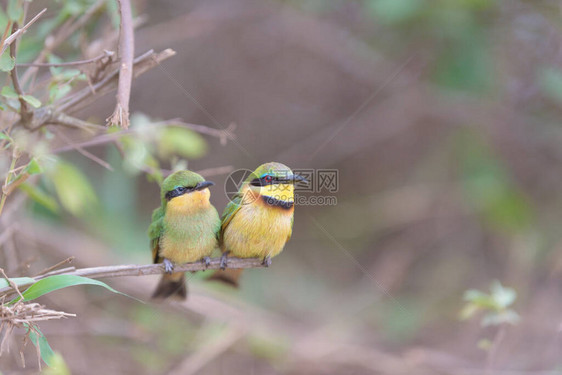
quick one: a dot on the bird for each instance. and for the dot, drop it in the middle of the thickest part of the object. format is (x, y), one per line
(183, 229)
(258, 221)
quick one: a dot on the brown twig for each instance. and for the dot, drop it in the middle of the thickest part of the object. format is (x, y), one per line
(208, 172)
(87, 154)
(105, 54)
(149, 269)
(25, 113)
(223, 135)
(127, 51)
(16, 32)
(52, 268)
(141, 65)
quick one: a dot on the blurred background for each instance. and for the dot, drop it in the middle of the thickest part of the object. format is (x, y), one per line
(441, 253)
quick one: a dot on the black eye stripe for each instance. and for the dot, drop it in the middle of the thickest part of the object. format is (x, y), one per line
(264, 181)
(178, 191)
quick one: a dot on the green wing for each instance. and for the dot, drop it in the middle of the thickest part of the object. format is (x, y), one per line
(229, 211)
(155, 231)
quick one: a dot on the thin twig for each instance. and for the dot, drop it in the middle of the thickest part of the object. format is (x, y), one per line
(87, 154)
(208, 172)
(16, 32)
(224, 135)
(127, 51)
(105, 54)
(62, 262)
(151, 269)
(13, 286)
(142, 64)
(108, 138)
(25, 113)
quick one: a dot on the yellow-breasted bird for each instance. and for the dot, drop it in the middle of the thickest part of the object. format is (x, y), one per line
(183, 229)
(259, 219)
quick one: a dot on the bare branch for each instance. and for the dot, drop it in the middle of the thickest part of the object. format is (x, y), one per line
(141, 65)
(53, 267)
(105, 54)
(223, 135)
(127, 51)
(148, 269)
(16, 32)
(208, 172)
(87, 154)
(25, 113)
(63, 34)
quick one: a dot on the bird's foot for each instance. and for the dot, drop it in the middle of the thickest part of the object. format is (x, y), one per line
(207, 261)
(168, 266)
(267, 261)
(224, 260)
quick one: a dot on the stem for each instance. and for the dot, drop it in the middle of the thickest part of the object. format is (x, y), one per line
(7, 181)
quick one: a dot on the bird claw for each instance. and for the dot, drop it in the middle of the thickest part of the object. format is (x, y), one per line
(267, 261)
(207, 261)
(168, 266)
(224, 260)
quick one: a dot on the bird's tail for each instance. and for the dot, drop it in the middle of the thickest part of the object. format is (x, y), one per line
(171, 286)
(227, 276)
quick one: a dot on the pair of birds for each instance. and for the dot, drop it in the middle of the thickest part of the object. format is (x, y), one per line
(186, 227)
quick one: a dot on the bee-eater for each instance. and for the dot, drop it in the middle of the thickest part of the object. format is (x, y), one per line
(259, 219)
(183, 229)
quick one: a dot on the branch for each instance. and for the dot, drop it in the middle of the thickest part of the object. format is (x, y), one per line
(143, 270)
(127, 50)
(55, 114)
(105, 54)
(223, 135)
(25, 113)
(141, 65)
(15, 33)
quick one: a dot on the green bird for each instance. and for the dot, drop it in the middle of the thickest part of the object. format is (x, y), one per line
(183, 229)
(259, 219)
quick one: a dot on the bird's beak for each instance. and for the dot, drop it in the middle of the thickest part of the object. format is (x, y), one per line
(297, 178)
(294, 178)
(203, 185)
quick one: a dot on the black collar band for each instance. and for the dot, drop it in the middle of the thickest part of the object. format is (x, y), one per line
(276, 202)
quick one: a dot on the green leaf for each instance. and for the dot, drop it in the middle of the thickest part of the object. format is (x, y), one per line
(32, 100)
(73, 188)
(33, 167)
(4, 136)
(8, 92)
(16, 280)
(39, 340)
(181, 141)
(56, 282)
(7, 63)
(40, 197)
(57, 367)
(14, 10)
(58, 91)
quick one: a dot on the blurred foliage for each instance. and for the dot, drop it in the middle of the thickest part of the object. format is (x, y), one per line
(495, 305)
(488, 186)
(57, 366)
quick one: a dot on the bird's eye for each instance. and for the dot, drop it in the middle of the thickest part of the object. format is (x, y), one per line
(268, 178)
(180, 189)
